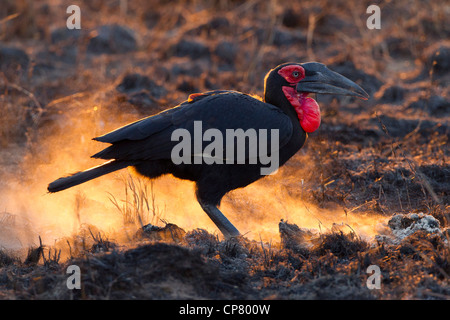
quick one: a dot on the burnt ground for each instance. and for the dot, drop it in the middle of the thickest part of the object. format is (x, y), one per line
(388, 155)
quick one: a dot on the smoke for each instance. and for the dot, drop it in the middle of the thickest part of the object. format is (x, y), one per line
(61, 147)
(64, 146)
(259, 208)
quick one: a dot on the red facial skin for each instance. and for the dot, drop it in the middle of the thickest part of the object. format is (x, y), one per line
(307, 109)
(288, 73)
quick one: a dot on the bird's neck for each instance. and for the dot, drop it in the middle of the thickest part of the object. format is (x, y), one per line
(279, 100)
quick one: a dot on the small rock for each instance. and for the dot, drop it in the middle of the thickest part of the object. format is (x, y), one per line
(218, 23)
(13, 59)
(292, 19)
(190, 48)
(226, 51)
(65, 35)
(170, 232)
(439, 60)
(66, 53)
(403, 225)
(186, 85)
(135, 82)
(112, 39)
(436, 60)
(187, 67)
(143, 101)
(284, 37)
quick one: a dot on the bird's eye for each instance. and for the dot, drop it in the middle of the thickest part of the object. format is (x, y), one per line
(295, 74)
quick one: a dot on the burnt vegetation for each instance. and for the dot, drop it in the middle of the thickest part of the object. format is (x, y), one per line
(388, 156)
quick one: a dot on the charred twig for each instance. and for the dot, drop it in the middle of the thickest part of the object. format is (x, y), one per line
(100, 244)
(52, 260)
(34, 254)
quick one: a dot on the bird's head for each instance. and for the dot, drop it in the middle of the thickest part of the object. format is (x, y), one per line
(294, 81)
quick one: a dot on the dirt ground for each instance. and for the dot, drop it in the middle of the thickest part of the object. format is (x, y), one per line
(383, 161)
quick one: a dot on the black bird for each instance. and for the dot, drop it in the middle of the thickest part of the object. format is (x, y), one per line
(147, 145)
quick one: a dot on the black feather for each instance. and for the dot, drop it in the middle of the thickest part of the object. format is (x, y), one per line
(89, 174)
(150, 138)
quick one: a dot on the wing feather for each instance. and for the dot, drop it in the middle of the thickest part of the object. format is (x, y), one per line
(150, 138)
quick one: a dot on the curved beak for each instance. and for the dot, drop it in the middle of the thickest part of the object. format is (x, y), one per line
(320, 79)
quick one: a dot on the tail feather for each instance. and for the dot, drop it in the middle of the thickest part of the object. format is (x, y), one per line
(89, 174)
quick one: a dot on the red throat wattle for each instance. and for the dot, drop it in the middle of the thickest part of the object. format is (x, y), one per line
(307, 109)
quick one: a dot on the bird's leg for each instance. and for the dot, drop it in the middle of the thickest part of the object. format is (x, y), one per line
(224, 225)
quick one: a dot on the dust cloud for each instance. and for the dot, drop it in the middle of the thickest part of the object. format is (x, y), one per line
(65, 146)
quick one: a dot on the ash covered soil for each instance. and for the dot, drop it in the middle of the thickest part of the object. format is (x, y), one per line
(387, 155)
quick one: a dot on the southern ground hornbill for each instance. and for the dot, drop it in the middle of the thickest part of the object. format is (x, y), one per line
(147, 145)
